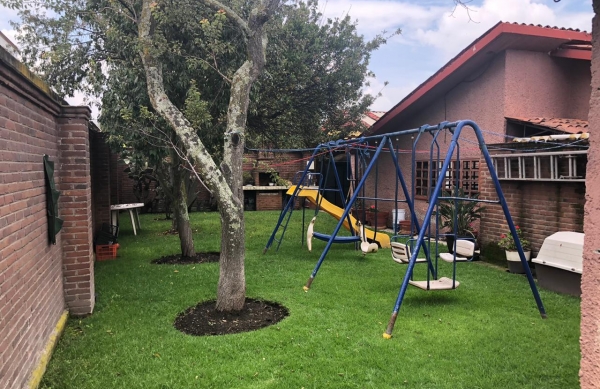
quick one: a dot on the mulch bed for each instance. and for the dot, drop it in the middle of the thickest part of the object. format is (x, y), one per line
(177, 259)
(205, 320)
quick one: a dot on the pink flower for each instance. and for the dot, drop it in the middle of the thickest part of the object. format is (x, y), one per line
(502, 236)
(517, 227)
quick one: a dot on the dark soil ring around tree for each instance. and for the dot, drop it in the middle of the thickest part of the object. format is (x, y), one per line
(204, 320)
(178, 259)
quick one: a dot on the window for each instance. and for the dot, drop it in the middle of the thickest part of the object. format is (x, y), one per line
(543, 166)
(469, 177)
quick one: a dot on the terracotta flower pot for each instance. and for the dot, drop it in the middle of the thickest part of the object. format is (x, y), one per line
(377, 217)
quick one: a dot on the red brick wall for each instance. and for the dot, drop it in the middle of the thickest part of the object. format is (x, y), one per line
(30, 268)
(268, 201)
(75, 209)
(539, 208)
(115, 185)
(285, 164)
(100, 173)
(126, 195)
(32, 297)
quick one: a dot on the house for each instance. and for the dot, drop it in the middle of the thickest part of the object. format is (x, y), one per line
(515, 80)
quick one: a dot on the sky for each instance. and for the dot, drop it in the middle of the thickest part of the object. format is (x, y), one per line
(433, 32)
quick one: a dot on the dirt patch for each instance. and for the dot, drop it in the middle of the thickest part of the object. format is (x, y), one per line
(205, 320)
(175, 232)
(178, 259)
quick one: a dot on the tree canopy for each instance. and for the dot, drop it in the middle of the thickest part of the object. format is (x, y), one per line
(199, 61)
(311, 88)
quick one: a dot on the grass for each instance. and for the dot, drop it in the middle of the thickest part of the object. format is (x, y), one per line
(485, 334)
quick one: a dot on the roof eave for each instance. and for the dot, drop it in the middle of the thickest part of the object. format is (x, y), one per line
(468, 53)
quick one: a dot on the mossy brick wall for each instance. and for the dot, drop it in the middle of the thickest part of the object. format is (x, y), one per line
(39, 280)
(539, 208)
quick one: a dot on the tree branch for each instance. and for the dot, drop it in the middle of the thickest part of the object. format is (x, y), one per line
(163, 105)
(232, 15)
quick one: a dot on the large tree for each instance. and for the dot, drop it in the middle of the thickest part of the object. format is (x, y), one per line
(222, 48)
(73, 44)
(225, 181)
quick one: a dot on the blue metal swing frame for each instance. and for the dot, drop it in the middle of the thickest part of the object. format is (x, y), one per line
(456, 129)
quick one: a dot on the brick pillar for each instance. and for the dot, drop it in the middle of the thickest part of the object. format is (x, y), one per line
(76, 209)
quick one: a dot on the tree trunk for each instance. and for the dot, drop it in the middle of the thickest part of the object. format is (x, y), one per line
(180, 209)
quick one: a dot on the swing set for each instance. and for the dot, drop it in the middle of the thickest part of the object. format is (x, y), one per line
(367, 152)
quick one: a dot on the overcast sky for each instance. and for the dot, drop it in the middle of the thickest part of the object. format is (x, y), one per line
(431, 33)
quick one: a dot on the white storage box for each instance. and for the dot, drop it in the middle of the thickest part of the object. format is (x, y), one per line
(560, 262)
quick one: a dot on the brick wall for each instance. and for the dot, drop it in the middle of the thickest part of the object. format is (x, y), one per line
(268, 201)
(100, 174)
(34, 122)
(115, 185)
(126, 195)
(76, 206)
(539, 208)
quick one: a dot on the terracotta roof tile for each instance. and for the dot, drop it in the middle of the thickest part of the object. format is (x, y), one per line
(571, 126)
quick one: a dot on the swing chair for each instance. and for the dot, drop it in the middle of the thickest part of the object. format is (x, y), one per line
(401, 252)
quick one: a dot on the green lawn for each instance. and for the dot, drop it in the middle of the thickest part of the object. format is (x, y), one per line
(486, 334)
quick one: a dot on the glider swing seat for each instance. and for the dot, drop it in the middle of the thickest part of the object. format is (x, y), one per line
(438, 173)
(337, 239)
(307, 180)
(463, 251)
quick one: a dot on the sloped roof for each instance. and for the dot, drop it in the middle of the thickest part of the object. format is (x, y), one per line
(564, 42)
(369, 118)
(570, 126)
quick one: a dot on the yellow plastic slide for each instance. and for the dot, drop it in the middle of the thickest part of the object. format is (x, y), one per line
(311, 194)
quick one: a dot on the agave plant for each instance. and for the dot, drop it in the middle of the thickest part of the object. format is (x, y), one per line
(465, 212)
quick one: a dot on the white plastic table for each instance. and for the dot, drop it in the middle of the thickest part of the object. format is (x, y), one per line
(133, 214)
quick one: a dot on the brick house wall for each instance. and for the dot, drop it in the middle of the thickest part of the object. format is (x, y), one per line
(481, 99)
(39, 280)
(539, 208)
(515, 83)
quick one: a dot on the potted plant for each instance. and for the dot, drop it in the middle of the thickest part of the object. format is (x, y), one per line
(248, 179)
(376, 218)
(510, 248)
(466, 214)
